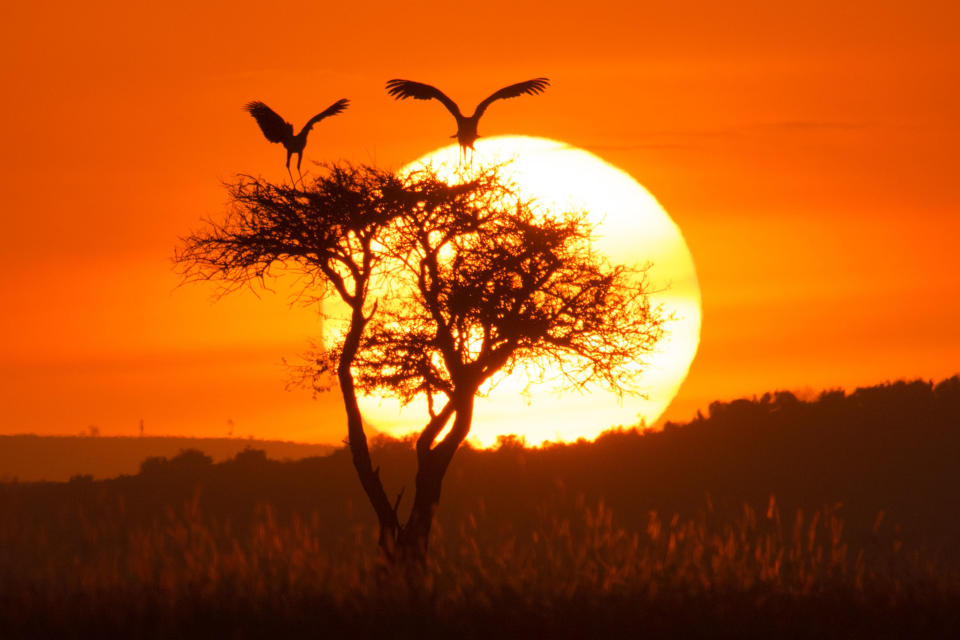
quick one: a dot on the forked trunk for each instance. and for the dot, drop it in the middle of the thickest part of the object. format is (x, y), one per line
(414, 537)
(405, 545)
(432, 463)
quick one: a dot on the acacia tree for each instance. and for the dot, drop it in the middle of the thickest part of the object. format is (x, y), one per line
(448, 287)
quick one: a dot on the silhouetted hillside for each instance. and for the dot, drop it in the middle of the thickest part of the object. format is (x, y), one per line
(636, 535)
(892, 448)
(30, 458)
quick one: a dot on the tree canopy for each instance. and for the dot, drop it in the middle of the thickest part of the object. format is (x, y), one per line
(448, 287)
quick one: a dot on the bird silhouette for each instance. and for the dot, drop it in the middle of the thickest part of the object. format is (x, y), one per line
(466, 133)
(276, 129)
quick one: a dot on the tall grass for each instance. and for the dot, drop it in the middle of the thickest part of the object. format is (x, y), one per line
(753, 571)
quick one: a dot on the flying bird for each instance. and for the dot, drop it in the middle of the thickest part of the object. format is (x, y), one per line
(276, 129)
(466, 133)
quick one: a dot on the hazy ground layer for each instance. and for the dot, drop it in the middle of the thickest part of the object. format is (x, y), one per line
(29, 458)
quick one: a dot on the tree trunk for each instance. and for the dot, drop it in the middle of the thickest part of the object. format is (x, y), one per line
(357, 439)
(414, 537)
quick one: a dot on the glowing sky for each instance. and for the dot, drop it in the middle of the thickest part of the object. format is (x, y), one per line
(808, 151)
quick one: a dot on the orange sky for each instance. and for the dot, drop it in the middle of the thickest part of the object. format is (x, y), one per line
(808, 152)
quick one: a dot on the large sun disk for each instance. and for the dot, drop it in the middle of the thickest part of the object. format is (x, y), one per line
(631, 228)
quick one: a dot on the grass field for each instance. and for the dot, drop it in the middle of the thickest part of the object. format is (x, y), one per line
(754, 572)
(632, 536)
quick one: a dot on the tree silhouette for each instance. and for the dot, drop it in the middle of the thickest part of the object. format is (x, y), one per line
(448, 289)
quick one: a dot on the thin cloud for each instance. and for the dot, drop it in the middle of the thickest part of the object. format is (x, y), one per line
(635, 147)
(808, 125)
(687, 139)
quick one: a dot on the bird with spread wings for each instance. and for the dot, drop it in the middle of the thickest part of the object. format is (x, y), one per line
(276, 129)
(466, 133)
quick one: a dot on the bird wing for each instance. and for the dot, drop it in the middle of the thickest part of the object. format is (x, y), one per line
(530, 87)
(401, 89)
(332, 110)
(275, 128)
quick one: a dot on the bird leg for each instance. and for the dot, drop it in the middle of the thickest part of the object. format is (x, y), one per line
(292, 181)
(299, 160)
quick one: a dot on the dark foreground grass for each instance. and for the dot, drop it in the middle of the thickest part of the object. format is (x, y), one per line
(743, 574)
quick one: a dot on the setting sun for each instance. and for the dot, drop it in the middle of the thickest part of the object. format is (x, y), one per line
(631, 228)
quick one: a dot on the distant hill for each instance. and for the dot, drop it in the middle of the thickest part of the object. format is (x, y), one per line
(30, 458)
(892, 448)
